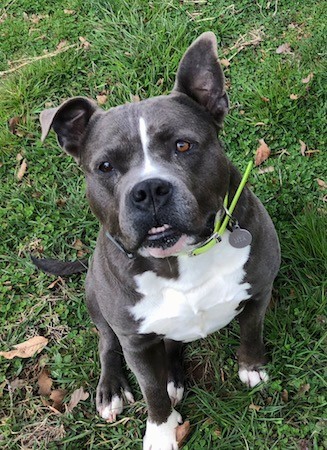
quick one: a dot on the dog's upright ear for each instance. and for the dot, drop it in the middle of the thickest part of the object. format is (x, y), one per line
(69, 121)
(200, 76)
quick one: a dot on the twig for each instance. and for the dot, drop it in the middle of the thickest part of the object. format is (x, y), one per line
(37, 58)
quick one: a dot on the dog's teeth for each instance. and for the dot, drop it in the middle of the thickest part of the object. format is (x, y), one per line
(161, 229)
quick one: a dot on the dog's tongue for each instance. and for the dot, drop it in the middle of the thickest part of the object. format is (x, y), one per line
(174, 249)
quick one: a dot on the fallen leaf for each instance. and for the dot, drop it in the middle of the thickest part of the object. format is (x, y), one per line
(135, 98)
(85, 43)
(44, 382)
(26, 349)
(322, 184)
(22, 170)
(78, 244)
(303, 147)
(304, 388)
(69, 11)
(17, 383)
(182, 431)
(255, 407)
(19, 157)
(13, 123)
(160, 82)
(77, 396)
(57, 397)
(265, 99)
(262, 153)
(54, 283)
(285, 396)
(308, 78)
(101, 99)
(224, 62)
(61, 44)
(294, 96)
(284, 48)
(268, 169)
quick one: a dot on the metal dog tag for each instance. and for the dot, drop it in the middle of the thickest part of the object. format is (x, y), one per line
(240, 238)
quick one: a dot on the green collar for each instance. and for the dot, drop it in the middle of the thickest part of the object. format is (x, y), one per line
(219, 227)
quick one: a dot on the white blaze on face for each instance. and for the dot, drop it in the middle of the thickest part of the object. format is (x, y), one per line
(148, 167)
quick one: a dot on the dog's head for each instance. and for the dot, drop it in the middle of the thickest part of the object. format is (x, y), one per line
(156, 174)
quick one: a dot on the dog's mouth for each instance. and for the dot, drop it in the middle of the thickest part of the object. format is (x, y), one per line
(164, 241)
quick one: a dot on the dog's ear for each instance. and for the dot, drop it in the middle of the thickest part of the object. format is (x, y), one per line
(200, 76)
(69, 121)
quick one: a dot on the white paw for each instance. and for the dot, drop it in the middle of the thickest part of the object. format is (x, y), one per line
(163, 436)
(111, 410)
(253, 377)
(175, 393)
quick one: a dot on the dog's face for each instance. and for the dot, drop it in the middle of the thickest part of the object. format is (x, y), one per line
(156, 174)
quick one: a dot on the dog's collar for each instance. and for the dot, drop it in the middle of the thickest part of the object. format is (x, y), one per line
(219, 227)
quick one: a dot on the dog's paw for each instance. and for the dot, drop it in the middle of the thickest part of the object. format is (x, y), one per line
(110, 406)
(163, 436)
(175, 393)
(253, 377)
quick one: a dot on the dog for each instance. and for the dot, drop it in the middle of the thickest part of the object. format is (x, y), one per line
(159, 181)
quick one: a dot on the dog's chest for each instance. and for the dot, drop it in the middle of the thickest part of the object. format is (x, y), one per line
(202, 300)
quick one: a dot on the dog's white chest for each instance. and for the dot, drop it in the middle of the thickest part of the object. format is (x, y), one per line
(202, 300)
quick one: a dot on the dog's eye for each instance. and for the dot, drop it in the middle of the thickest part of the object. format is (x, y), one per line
(182, 146)
(105, 167)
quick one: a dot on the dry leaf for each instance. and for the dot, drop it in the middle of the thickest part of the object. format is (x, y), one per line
(308, 78)
(268, 169)
(61, 44)
(13, 123)
(304, 388)
(54, 283)
(322, 184)
(262, 153)
(77, 396)
(26, 349)
(135, 98)
(303, 147)
(265, 99)
(85, 43)
(225, 62)
(101, 99)
(44, 382)
(22, 170)
(57, 397)
(285, 396)
(19, 157)
(182, 431)
(160, 81)
(284, 48)
(69, 11)
(78, 244)
(17, 383)
(255, 407)
(294, 96)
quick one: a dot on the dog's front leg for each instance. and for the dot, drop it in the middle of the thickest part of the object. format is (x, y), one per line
(148, 360)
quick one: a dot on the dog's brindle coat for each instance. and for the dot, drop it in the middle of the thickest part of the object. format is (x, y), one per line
(149, 164)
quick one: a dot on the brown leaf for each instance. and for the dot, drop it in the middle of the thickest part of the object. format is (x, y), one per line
(54, 283)
(69, 11)
(322, 184)
(57, 397)
(303, 147)
(308, 78)
(182, 431)
(44, 382)
(78, 244)
(85, 43)
(284, 48)
(224, 62)
(265, 99)
(304, 388)
(77, 396)
(17, 383)
(22, 170)
(262, 153)
(19, 157)
(135, 98)
(13, 123)
(294, 96)
(285, 396)
(26, 349)
(101, 99)
(62, 44)
(255, 407)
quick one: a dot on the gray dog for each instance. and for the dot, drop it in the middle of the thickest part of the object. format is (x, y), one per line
(164, 271)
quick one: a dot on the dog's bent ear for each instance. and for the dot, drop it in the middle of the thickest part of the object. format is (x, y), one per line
(69, 121)
(200, 77)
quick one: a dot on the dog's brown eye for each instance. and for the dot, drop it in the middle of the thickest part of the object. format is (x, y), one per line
(182, 146)
(105, 167)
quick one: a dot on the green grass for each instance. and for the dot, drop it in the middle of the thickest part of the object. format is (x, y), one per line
(135, 49)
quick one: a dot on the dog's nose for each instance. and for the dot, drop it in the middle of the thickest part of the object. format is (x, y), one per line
(151, 193)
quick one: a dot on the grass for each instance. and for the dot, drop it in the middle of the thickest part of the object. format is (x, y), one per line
(134, 49)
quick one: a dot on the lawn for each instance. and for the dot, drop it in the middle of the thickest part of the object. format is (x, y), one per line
(274, 58)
